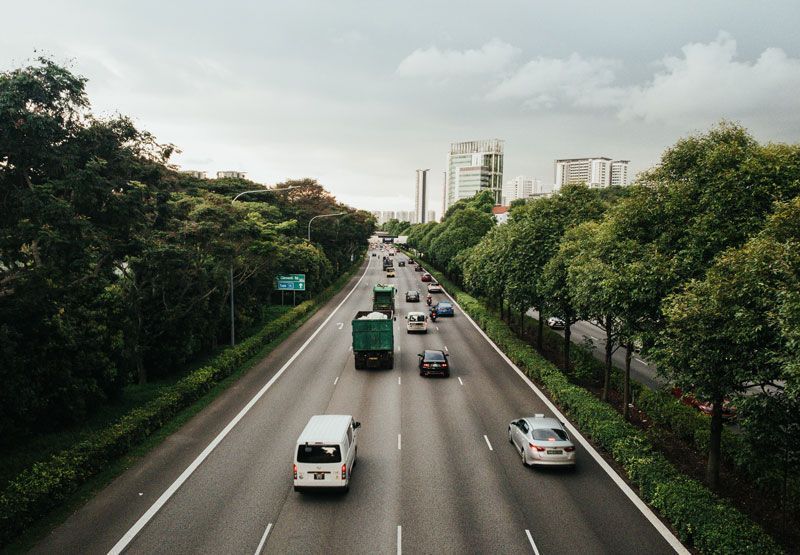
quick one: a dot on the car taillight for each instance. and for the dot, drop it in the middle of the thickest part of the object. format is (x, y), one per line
(569, 449)
(536, 447)
(344, 472)
(294, 470)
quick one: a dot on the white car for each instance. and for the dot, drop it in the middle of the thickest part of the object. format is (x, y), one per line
(541, 441)
(326, 453)
(416, 322)
(556, 323)
(434, 287)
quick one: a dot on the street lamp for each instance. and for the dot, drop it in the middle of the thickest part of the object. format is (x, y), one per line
(321, 216)
(264, 190)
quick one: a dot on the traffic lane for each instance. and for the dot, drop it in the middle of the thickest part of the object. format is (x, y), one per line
(364, 519)
(641, 370)
(104, 519)
(450, 504)
(591, 513)
(249, 472)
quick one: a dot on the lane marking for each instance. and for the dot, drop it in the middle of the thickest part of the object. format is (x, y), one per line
(648, 513)
(340, 325)
(437, 328)
(134, 530)
(399, 444)
(399, 540)
(530, 539)
(487, 442)
(335, 381)
(263, 539)
(459, 380)
(398, 380)
(639, 360)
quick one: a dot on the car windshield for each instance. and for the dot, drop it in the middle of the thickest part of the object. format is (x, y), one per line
(445, 305)
(549, 434)
(434, 356)
(317, 454)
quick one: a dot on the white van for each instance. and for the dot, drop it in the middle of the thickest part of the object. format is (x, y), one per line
(326, 452)
(417, 322)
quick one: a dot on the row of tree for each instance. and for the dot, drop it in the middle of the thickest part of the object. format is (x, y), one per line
(698, 263)
(115, 268)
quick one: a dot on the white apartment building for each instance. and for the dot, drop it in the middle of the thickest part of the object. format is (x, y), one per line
(519, 188)
(472, 167)
(195, 173)
(231, 174)
(431, 216)
(421, 197)
(596, 172)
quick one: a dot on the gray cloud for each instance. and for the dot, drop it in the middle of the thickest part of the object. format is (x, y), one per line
(492, 57)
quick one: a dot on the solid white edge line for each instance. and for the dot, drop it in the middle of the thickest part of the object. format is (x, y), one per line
(399, 444)
(487, 442)
(648, 513)
(399, 540)
(170, 491)
(263, 539)
(530, 539)
(459, 380)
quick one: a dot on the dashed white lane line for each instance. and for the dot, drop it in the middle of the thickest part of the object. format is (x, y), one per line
(398, 380)
(339, 325)
(530, 539)
(637, 359)
(335, 381)
(399, 443)
(437, 328)
(399, 540)
(263, 539)
(134, 530)
(487, 442)
(459, 380)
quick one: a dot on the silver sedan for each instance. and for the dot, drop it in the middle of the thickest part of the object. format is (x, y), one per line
(541, 441)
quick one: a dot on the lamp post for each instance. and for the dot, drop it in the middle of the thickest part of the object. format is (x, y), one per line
(265, 190)
(321, 216)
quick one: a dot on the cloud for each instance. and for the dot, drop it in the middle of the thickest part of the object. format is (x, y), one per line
(432, 62)
(705, 83)
(546, 82)
(708, 82)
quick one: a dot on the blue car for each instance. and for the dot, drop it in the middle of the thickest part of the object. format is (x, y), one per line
(443, 308)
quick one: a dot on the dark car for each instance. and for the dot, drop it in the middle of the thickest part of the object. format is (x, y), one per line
(426, 277)
(412, 296)
(411, 261)
(401, 263)
(433, 362)
(419, 268)
(443, 308)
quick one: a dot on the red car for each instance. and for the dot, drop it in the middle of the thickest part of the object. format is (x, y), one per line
(688, 399)
(426, 277)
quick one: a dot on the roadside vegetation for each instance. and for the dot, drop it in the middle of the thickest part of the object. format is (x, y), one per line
(115, 281)
(697, 264)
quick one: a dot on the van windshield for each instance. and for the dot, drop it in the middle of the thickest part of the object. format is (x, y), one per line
(317, 454)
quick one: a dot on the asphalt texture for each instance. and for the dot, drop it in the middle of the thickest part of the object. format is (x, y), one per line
(425, 481)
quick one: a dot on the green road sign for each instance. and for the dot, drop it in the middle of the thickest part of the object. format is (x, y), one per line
(290, 282)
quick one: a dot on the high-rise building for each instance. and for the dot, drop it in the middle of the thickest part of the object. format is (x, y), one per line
(521, 187)
(596, 172)
(196, 173)
(421, 196)
(472, 167)
(233, 174)
(431, 216)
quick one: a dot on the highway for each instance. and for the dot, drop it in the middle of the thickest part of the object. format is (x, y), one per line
(435, 472)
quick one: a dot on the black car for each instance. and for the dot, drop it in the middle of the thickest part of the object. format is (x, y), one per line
(412, 296)
(401, 263)
(419, 268)
(433, 362)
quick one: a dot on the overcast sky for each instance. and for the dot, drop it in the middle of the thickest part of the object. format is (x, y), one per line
(359, 94)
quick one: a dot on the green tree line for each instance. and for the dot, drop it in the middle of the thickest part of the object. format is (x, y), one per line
(698, 263)
(115, 268)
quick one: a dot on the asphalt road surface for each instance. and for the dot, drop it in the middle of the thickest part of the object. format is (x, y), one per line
(435, 472)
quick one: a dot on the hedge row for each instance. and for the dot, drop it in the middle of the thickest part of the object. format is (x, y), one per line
(701, 519)
(47, 484)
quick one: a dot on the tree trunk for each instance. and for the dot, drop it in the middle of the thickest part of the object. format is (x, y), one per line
(715, 442)
(609, 349)
(141, 371)
(540, 333)
(626, 390)
(567, 335)
(522, 323)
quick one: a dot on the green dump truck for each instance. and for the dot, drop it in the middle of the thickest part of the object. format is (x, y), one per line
(373, 339)
(383, 297)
